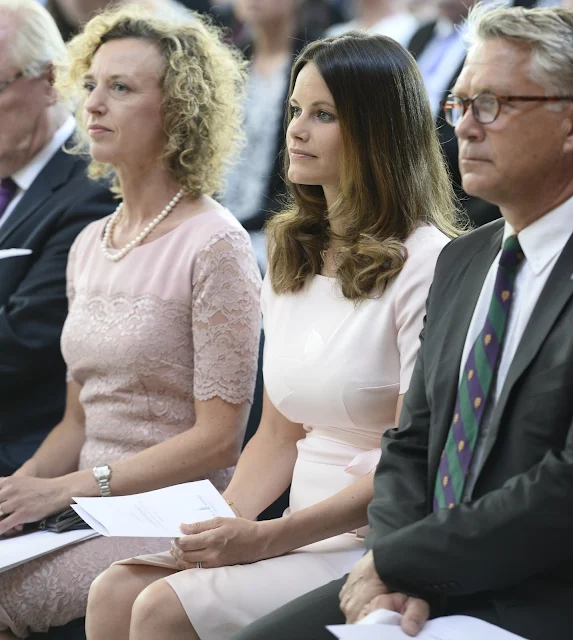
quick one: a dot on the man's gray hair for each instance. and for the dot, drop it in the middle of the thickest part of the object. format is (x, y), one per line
(546, 32)
(36, 41)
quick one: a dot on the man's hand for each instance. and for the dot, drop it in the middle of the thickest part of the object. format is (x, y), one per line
(364, 592)
(415, 612)
(362, 586)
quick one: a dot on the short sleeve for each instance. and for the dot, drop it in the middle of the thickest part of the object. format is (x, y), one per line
(226, 318)
(412, 289)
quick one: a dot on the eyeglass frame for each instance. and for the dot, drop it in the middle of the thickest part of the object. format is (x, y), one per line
(469, 102)
(7, 83)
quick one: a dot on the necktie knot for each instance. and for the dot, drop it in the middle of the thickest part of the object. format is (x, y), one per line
(8, 186)
(7, 190)
(511, 254)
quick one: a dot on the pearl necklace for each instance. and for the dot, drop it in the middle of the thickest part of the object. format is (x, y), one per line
(106, 240)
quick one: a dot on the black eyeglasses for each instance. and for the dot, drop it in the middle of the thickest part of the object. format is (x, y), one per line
(486, 106)
(7, 83)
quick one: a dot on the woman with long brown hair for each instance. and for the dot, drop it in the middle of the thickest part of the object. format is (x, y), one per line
(351, 263)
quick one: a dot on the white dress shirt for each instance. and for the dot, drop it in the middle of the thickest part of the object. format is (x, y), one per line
(26, 175)
(440, 60)
(444, 55)
(542, 243)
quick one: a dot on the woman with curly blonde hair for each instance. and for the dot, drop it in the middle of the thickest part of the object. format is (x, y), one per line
(162, 335)
(351, 263)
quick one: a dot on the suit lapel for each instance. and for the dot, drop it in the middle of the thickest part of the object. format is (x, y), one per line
(52, 176)
(554, 296)
(421, 39)
(447, 376)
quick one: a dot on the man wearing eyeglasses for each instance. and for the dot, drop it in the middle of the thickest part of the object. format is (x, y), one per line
(45, 201)
(440, 49)
(473, 496)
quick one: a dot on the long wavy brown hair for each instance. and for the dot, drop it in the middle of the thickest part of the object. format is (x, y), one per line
(393, 176)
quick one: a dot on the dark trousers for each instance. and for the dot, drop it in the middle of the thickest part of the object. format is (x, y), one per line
(306, 617)
(6, 469)
(74, 630)
(302, 619)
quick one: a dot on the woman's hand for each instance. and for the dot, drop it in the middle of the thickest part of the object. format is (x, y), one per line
(26, 499)
(221, 542)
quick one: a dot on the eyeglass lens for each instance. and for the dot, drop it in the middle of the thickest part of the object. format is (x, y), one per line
(485, 109)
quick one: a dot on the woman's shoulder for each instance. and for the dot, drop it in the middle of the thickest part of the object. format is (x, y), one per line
(424, 246)
(213, 224)
(90, 235)
(426, 239)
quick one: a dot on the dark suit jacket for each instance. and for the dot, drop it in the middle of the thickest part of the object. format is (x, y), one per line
(508, 551)
(33, 304)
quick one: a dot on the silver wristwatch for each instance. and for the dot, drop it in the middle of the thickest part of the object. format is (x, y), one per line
(103, 475)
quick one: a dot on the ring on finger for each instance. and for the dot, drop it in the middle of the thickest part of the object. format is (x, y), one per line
(2, 514)
(199, 564)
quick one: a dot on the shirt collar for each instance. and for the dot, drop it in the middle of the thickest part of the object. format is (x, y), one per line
(26, 175)
(545, 238)
(444, 28)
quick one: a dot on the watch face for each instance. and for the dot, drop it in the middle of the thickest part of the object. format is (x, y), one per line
(101, 472)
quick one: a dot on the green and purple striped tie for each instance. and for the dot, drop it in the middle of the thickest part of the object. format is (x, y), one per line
(476, 383)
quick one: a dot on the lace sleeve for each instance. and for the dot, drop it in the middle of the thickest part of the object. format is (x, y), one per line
(226, 319)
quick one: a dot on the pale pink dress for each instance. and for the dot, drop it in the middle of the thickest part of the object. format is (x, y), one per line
(174, 320)
(338, 368)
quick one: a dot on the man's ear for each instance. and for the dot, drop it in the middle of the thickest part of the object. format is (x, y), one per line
(568, 129)
(51, 74)
(52, 94)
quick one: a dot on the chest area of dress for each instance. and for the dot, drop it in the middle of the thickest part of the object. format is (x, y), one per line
(128, 323)
(331, 361)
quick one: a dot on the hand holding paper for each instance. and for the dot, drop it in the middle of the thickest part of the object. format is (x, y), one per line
(221, 543)
(155, 514)
(361, 587)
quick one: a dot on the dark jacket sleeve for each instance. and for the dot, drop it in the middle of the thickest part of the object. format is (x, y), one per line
(400, 482)
(515, 532)
(31, 320)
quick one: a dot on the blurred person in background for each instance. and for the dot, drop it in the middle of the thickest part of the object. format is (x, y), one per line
(390, 18)
(164, 318)
(424, 10)
(254, 186)
(71, 15)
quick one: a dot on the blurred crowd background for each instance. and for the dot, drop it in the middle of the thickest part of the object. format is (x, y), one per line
(270, 33)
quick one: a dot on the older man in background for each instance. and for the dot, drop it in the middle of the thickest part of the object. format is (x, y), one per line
(46, 199)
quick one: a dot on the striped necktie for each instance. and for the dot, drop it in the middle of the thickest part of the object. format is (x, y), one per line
(477, 383)
(7, 190)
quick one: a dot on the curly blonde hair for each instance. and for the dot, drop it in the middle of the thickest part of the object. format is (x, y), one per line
(203, 88)
(393, 175)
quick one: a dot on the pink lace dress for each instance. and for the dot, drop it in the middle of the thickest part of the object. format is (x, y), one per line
(174, 320)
